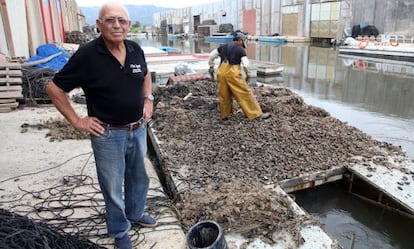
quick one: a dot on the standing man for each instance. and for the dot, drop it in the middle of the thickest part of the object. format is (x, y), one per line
(230, 81)
(113, 74)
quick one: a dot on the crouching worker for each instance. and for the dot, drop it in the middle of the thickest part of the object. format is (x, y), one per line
(230, 81)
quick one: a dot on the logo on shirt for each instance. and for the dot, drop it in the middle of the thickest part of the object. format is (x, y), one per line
(136, 68)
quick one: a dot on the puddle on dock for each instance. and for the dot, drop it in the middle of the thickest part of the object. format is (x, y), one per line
(346, 217)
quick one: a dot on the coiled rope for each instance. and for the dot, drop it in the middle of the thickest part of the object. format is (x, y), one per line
(69, 215)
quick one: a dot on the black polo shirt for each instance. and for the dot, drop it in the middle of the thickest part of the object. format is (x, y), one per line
(113, 93)
(232, 52)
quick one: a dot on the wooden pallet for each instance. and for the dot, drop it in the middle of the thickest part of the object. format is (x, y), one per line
(10, 86)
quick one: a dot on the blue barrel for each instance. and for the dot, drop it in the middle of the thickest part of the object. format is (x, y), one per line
(206, 235)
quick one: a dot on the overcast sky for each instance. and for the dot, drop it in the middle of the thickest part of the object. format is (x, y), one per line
(159, 3)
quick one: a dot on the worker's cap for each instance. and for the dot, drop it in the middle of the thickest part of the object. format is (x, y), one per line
(238, 35)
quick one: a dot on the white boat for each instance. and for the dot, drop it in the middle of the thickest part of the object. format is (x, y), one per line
(394, 47)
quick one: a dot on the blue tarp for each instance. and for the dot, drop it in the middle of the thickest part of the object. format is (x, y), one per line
(47, 50)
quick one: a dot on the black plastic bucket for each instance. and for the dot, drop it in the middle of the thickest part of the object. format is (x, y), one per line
(206, 235)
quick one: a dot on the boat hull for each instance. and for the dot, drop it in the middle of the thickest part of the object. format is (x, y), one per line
(403, 51)
(223, 39)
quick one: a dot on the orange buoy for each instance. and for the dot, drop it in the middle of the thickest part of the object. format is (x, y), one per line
(394, 44)
(361, 64)
(363, 44)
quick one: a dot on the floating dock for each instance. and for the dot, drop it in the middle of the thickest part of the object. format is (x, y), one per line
(313, 235)
(163, 64)
(396, 181)
(267, 68)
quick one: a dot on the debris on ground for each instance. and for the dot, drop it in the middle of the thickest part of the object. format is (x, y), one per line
(223, 166)
(59, 129)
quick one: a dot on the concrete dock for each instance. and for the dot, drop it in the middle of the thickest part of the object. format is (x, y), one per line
(25, 154)
(394, 180)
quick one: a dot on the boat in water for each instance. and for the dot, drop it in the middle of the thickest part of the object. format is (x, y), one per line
(387, 47)
(170, 50)
(273, 40)
(220, 37)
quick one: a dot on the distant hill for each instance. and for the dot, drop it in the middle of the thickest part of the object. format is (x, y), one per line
(141, 13)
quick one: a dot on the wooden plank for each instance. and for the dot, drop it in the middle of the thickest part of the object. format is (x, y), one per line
(11, 94)
(312, 180)
(10, 88)
(29, 29)
(3, 101)
(11, 73)
(10, 65)
(19, 59)
(5, 109)
(7, 29)
(9, 105)
(12, 81)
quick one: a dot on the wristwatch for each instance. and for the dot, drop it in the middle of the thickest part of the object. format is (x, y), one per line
(150, 97)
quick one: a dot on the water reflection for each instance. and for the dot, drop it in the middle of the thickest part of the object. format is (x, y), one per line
(345, 216)
(372, 95)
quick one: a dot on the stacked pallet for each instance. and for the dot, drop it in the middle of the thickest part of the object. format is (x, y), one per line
(10, 86)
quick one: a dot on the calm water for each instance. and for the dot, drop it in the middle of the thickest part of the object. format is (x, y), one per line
(345, 216)
(375, 96)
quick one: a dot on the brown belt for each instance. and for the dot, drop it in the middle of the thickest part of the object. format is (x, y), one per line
(128, 127)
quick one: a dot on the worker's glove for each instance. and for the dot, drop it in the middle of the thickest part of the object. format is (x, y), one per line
(247, 78)
(247, 71)
(211, 71)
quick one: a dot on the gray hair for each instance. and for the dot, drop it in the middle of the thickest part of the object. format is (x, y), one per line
(112, 4)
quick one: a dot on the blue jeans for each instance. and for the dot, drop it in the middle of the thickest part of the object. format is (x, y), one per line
(120, 166)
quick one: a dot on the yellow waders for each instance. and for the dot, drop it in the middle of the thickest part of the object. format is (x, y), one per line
(231, 83)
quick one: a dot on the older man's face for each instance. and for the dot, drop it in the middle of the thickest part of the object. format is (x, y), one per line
(114, 24)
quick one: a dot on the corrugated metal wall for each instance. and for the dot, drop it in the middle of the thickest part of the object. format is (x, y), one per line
(324, 19)
(389, 16)
(35, 29)
(72, 18)
(305, 18)
(290, 20)
(249, 21)
(27, 24)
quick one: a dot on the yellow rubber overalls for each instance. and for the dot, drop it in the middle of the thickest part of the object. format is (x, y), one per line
(231, 83)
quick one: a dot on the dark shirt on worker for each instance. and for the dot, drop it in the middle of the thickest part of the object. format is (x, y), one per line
(113, 92)
(232, 52)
